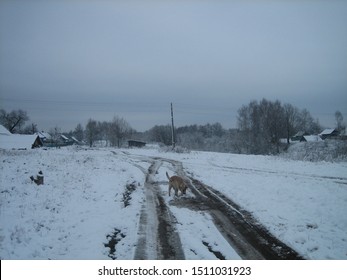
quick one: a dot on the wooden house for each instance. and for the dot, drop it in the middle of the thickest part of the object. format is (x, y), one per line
(299, 136)
(18, 141)
(135, 143)
(329, 133)
(310, 138)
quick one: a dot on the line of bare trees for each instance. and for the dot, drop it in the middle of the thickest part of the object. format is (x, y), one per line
(262, 125)
(114, 132)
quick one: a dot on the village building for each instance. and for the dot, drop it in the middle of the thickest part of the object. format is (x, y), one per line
(76, 141)
(44, 136)
(135, 143)
(299, 136)
(311, 138)
(65, 141)
(18, 141)
(329, 133)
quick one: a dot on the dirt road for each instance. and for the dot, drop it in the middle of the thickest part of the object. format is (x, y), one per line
(159, 238)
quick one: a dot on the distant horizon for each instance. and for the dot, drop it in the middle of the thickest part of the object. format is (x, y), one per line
(168, 121)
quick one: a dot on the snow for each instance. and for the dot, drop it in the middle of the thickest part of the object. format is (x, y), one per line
(297, 202)
(15, 141)
(193, 228)
(4, 131)
(81, 202)
(71, 214)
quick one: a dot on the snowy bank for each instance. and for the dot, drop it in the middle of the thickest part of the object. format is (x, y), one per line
(91, 201)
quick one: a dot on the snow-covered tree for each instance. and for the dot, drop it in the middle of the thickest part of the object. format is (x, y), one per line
(13, 120)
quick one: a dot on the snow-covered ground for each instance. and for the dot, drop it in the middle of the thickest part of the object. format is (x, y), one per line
(91, 194)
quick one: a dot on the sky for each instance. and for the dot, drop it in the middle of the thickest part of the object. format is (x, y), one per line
(67, 61)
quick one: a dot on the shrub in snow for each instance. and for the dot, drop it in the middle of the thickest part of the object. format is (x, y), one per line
(328, 150)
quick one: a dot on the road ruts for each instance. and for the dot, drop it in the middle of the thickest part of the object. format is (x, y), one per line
(158, 237)
(246, 235)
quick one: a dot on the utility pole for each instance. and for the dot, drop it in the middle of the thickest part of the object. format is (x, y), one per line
(172, 129)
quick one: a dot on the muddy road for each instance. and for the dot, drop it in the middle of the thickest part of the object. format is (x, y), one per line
(158, 238)
(158, 233)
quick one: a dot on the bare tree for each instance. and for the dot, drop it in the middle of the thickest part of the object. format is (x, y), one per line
(262, 125)
(79, 132)
(161, 134)
(91, 132)
(30, 129)
(104, 131)
(291, 114)
(112, 132)
(340, 125)
(307, 123)
(119, 129)
(55, 134)
(251, 128)
(14, 120)
(271, 120)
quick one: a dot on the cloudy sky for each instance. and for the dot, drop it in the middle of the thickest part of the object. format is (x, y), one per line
(67, 61)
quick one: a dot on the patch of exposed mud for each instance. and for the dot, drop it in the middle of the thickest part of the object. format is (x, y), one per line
(129, 189)
(246, 235)
(158, 237)
(113, 240)
(170, 243)
(218, 254)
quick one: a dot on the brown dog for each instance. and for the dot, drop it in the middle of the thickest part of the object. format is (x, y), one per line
(176, 183)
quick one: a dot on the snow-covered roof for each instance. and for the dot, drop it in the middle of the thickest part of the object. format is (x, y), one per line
(43, 135)
(74, 138)
(4, 131)
(327, 131)
(17, 141)
(64, 137)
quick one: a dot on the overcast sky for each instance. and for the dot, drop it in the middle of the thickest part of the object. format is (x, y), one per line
(67, 61)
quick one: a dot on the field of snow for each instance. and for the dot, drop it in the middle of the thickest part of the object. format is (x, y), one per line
(91, 197)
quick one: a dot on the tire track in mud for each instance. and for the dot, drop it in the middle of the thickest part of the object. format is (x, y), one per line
(242, 231)
(158, 237)
(339, 180)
